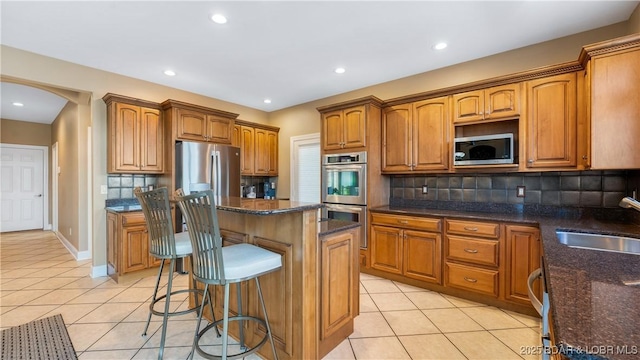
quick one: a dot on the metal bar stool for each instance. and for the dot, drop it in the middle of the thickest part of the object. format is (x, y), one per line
(214, 264)
(166, 245)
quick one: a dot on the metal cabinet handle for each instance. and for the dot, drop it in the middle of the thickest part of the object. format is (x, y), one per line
(471, 251)
(530, 161)
(471, 228)
(471, 280)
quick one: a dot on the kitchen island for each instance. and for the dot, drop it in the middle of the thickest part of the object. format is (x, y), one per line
(312, 300)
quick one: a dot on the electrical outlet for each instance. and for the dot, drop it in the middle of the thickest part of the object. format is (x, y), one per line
(425, 189)
(103, 189)
(520, 191)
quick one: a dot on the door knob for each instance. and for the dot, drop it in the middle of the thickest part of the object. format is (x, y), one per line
(39, 195)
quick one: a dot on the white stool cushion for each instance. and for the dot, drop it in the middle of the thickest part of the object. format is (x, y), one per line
(242, 261)
(183, 244)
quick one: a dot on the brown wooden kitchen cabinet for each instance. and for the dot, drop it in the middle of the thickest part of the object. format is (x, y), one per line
(472, 256)
(551, 131)
(497, 102)
(344, 129)
(135, 133)
(198, 123)
(615, 104)
(522, 257)
(258, 148)
(128, 245)
(410, 246)
(415, 136)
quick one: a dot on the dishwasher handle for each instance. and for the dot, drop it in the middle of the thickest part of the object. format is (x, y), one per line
(535, 275)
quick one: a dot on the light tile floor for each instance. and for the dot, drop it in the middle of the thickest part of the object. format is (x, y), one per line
(39, 278)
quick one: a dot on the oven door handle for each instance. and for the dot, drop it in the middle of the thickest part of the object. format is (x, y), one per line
(535, 275)
(357, 167)
(344, 208)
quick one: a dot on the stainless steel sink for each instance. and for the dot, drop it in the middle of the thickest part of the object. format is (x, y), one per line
(600, 242)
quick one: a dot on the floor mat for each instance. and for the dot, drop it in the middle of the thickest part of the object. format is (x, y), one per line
(39, 339)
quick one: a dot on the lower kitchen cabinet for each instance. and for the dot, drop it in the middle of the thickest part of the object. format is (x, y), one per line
(523, 256)
(405, 251)
(483, 261)
(128, 245)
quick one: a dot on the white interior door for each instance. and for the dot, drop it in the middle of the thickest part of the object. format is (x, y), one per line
(21, 188)
(305, 168)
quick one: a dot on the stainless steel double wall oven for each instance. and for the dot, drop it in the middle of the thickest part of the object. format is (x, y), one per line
(344, 188)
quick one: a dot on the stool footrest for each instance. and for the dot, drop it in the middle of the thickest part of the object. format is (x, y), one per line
(249, 351)
(175, 313)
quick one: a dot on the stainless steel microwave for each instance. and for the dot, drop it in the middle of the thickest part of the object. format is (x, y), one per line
(483, 150)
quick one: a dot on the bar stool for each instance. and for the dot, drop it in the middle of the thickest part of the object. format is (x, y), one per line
(165, 245)
(214, 264)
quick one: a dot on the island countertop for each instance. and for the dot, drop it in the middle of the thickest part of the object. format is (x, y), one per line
(235, 204)
(595, 315)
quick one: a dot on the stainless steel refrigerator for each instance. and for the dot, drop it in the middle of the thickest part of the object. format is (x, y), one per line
(204, 166)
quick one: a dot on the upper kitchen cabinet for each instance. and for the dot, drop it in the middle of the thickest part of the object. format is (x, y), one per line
(258, 148)
(415, 136)
(197, 123)
(348, 125)
(493, 103)
(135, 134)
(551, 132)
(614, 70)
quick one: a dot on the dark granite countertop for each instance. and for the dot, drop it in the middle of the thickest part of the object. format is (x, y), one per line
(332, 226)
(235, 204)
(593, 310)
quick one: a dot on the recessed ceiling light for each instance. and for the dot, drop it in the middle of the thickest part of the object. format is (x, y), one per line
(18, 104)
(170, 73)
(340, 70)
(267, 101)
(440, 46)
(219, 19)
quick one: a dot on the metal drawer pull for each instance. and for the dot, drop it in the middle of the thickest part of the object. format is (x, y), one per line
(471, 280)
(471, 251)
(470, 228)
(403, 221)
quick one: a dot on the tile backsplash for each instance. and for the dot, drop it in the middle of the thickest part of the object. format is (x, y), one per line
(120, 186)
(577, 189)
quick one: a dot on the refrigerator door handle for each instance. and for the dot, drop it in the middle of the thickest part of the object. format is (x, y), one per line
(215, 178)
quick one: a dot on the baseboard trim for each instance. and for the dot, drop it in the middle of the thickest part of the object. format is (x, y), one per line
(78, 255)
(98, 271)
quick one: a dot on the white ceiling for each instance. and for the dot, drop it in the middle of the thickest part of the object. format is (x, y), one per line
(39, 106)
(287, 50)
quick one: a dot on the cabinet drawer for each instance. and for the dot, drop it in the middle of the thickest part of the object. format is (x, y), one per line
(471, 278)
(133, 218)
(483, 252)
(473, 228)
(406, 222)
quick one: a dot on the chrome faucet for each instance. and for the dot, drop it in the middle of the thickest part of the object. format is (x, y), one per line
(629, 202)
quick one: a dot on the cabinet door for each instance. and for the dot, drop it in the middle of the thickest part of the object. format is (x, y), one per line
(272, 141)
(502, 101)
(235, 137)
(332, 130)
(422, 256)
(551, 136)
(337, 309)
(354, 128)
(135, 249)
(523, 256)
(219, 129)
(246, 150)
(112, 243)
(468, 106)
(396, 139)
(386, 249)
(151, 141)
(430, 134)
(126, 132)
(192, 125)
(615, 111)
(261, 158)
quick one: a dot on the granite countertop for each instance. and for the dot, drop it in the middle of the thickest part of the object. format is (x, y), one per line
(332, 226)
(235, 204)
(593, 310)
